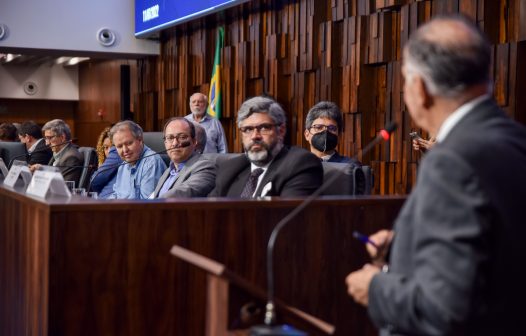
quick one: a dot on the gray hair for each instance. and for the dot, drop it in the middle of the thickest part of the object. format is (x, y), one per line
(448, 65)
(200, 137)
(59, 127)
(262, 104)
(134, 128)
(198, 93)
(324, 109)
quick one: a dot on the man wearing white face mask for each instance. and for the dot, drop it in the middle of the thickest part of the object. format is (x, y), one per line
(322, 127)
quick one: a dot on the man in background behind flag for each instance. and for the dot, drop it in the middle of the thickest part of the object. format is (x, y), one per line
(208, 118)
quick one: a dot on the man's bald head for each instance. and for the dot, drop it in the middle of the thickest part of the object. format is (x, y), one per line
(450, 54)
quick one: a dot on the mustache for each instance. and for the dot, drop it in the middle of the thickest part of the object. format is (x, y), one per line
(257, 142)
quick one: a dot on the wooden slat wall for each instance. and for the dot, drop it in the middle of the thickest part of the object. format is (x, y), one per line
(347, 51)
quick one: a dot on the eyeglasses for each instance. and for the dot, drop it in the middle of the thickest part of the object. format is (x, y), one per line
(318, 128)
(264, 129)
(180, 138)
(48, 138)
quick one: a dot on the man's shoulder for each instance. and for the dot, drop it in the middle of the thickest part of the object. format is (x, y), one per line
(299, 152)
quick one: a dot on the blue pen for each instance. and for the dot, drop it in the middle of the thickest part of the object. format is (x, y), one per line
(363, 238)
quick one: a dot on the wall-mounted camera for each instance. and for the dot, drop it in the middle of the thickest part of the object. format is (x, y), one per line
(106, 37)
(30, 88)
(3, 31)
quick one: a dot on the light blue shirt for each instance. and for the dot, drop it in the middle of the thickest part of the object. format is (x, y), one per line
(139, 181)
(215, 135)
(174, 172)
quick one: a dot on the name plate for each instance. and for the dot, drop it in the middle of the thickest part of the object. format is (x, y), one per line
(45, 182)
(3, 168)
(15, 172)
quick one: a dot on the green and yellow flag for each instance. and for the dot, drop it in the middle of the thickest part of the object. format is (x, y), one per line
(214, 108)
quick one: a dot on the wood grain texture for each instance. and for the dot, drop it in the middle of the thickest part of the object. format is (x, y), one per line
(87, 267)
(305, 51)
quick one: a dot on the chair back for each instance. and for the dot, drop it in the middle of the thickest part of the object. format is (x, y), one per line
(154, 140)
(90, 165)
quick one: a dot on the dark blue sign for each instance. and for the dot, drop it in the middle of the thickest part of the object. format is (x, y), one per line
(154, 15)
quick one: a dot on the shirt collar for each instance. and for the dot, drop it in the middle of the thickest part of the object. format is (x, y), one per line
(176, 168)
(32, 148)
(454, 118)
(60, 153)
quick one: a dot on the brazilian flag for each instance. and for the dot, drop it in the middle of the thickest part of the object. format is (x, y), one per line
(214, 108)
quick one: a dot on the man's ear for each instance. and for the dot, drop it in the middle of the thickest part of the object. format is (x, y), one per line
(282, 131)
(425, 97)
(307, 135)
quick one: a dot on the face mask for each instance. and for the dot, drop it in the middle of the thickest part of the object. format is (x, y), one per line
(324, 141)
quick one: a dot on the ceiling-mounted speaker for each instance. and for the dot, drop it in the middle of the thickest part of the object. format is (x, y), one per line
(3, 31)
(106, 37)
(30, 88)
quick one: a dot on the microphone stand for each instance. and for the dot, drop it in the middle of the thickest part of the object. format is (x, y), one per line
(269, 328)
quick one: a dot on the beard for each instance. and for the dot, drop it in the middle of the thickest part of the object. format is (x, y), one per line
(265, 155)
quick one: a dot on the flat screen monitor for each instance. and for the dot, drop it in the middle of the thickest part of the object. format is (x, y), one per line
(12, 151)
(154, 15)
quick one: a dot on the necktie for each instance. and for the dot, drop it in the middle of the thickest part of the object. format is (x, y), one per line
(252, 182)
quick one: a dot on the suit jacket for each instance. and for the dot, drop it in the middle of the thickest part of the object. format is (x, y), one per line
(196, 179)
(293, 172)
(41, 154)
(457, 260)
(70, 164)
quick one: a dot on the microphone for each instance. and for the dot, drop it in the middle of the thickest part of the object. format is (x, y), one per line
(270, 314)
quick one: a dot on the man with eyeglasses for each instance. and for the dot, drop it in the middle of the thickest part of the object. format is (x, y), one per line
(268, 168)
(322, 127)
(66, 156)
(138, 177)
(189, 173)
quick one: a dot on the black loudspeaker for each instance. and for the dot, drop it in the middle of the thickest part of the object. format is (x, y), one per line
(125, 93)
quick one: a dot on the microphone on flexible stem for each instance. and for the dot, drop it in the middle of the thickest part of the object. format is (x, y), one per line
(269, 328)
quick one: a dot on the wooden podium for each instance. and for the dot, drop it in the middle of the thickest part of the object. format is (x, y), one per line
(219, 282)
(92, 267)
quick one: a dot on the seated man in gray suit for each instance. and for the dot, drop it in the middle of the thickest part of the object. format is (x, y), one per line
(189, 173)
(66, 156)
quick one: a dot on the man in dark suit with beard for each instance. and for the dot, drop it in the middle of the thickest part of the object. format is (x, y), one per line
(457, 248)
(31, 135)
(268, 168)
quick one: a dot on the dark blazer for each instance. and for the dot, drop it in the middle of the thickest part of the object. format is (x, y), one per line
(41, 154)
(293, 172)
(458, 256)
(196, 179)
(70, 164)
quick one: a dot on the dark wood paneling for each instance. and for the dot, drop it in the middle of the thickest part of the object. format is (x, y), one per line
(304, 51)
(40, 111)
(88, 267)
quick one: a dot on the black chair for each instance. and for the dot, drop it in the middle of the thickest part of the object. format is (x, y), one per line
(154, 140)
(90, 165)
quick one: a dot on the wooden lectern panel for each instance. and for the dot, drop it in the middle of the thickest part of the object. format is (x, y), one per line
(89, 267)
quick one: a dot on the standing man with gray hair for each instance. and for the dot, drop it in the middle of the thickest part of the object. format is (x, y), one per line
(66, 156)
(216, 140)
(323, 124)
(454, 266)
(268, 168)
(136, 179)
